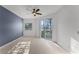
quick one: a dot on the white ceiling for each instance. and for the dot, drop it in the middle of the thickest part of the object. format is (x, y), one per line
(25, 11)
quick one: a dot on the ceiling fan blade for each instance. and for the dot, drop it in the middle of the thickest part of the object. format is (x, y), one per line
(39, 13)
(33, 11)
(37, 10)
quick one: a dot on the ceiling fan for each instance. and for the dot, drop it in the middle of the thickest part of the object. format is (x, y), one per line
(36, 12)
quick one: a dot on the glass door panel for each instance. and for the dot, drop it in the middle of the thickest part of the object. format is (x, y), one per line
(46, 28)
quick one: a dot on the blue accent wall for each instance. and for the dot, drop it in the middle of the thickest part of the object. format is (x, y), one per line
(10, 26)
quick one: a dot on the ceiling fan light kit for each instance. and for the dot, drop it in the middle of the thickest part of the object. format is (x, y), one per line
(36, 12)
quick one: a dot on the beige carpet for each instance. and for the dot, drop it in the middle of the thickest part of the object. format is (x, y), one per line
(37, 46)
(42, 46)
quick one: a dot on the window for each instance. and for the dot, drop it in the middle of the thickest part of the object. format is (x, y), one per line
(28, 26)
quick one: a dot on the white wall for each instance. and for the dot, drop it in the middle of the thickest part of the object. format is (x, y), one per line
(74, 46)
(35, 28)
(64, 19)
(75, 32)
(75, 11)
(67, 21)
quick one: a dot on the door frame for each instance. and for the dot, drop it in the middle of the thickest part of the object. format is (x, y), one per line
(40, 26)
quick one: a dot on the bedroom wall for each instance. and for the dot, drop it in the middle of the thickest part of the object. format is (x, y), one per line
(64, 27)
(10, 26)
(35, 28)
(75, 32)
(75, 11)
(67, 21)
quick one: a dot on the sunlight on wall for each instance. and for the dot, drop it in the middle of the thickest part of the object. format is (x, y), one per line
(74, 46)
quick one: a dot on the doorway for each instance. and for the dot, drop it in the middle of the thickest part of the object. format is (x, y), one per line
(46, 28)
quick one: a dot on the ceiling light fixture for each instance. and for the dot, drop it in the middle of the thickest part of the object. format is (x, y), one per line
(36, 12)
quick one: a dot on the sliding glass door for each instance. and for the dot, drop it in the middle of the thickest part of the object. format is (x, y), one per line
(46, 28)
